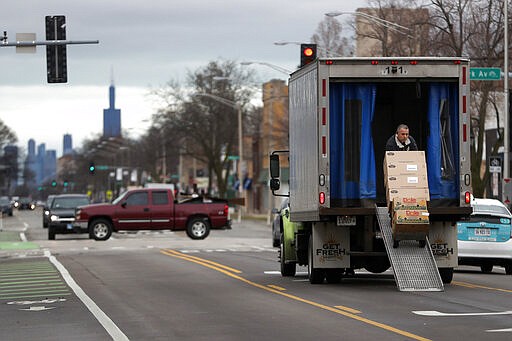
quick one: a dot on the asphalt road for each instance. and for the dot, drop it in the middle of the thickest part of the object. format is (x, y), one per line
(164, 286)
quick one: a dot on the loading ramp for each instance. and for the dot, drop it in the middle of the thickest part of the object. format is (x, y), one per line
(414, 267)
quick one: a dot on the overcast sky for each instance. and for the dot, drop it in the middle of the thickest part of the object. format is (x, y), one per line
(146, 43)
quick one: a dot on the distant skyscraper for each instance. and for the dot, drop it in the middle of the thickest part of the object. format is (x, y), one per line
(112, 116)
(67, 144)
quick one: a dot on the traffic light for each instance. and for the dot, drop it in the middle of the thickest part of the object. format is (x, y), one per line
(65, 183)
(54, 183)
(307, 53)
(92, 168)
(56, 61)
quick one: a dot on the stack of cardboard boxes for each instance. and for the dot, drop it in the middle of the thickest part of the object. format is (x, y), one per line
(405, 176)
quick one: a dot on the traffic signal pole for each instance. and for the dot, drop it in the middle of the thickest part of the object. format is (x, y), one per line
(56, 43)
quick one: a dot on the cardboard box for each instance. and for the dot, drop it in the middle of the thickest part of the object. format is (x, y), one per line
(405, 168)
(410, 224)
(410, 217)
(409, 203)
(406, 181)
(392, 193)
(394, 157)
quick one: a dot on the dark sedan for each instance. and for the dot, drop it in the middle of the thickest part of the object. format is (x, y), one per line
(6, 206)
(62, 213)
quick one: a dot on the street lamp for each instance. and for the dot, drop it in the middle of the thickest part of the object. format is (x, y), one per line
(379, 21)
(236, 106)
(272, 66)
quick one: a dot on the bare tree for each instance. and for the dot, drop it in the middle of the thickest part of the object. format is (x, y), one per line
(7, 136)
(328, 37)
(202, 118)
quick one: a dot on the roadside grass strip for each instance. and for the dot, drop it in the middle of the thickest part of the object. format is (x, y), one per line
(31, 279)
(233, 273)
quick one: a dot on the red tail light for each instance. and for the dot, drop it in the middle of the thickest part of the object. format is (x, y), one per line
(226, 210)
(375, 62)
(467, 198)
(322, 198)
(413, 62)
(394, 62)
(328, 62)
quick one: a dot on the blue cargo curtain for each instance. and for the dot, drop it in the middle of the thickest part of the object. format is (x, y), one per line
(352, 157)
(443, 141)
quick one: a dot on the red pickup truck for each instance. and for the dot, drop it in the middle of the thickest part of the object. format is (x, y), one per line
(152, 209)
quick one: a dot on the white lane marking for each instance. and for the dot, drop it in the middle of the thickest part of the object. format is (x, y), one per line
(102, 318)
(37, 308)
(499, 330)
(23, 237)
(440, 314)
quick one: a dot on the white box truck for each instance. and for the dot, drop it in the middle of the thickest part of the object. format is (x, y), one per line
(341, 113)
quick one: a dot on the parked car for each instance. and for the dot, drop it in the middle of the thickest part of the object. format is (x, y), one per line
(6, 206)
(62, 213)
(277, 222)
(485, 240)
(46, 210)
(25, 203)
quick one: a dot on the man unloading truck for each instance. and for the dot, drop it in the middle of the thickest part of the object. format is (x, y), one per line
(401, 140)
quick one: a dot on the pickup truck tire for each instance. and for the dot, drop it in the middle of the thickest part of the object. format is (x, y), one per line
(100, 229)
(198, 228)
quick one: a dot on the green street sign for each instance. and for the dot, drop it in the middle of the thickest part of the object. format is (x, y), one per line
(233, 157)
(485, 73)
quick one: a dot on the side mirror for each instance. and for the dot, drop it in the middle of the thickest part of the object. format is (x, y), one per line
(274, 166)
(275, 184)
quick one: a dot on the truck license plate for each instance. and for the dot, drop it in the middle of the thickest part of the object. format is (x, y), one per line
(346, 220)
(482, 232)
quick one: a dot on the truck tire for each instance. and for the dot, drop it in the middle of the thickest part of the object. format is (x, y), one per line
(287, 269)
(198, 228)
(486, 268)
(378, 265)
(51, 233)
(446, 275)
(333, 276)
(508, 268)
(316, 276)
(100, 229)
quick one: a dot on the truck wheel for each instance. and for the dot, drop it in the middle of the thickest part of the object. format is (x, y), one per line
(198, 228)
(287, 269)
(508, 268)
(51, 233)
(100, 229)
(446, 275)
(316, 276)
(377, 265)
(333, 276)
(486, 268)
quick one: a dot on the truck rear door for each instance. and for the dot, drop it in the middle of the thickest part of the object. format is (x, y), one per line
(133, 213)
(162, 210)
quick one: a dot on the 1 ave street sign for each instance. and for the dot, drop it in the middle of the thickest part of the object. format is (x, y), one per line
(485, 73)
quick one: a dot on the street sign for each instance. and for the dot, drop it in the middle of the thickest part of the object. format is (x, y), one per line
(495, 164)
(485, 73)
(233, 157)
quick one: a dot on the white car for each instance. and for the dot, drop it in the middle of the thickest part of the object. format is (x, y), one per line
(485, 239)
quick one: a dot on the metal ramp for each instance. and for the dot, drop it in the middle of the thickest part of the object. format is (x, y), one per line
(414, 268)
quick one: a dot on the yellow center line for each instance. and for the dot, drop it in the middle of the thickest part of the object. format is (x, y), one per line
(276, 287)
(221, 269)
(350, 310)
(173, 252)
(476, 286)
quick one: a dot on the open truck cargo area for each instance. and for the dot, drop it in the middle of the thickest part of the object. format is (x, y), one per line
(342, 111)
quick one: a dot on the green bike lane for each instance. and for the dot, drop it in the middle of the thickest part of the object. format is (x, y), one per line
(35, 300)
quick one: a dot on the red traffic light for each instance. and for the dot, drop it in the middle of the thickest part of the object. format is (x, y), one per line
(307, 53)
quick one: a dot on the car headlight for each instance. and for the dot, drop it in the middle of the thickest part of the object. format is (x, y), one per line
(46, 212)
(54, 217)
